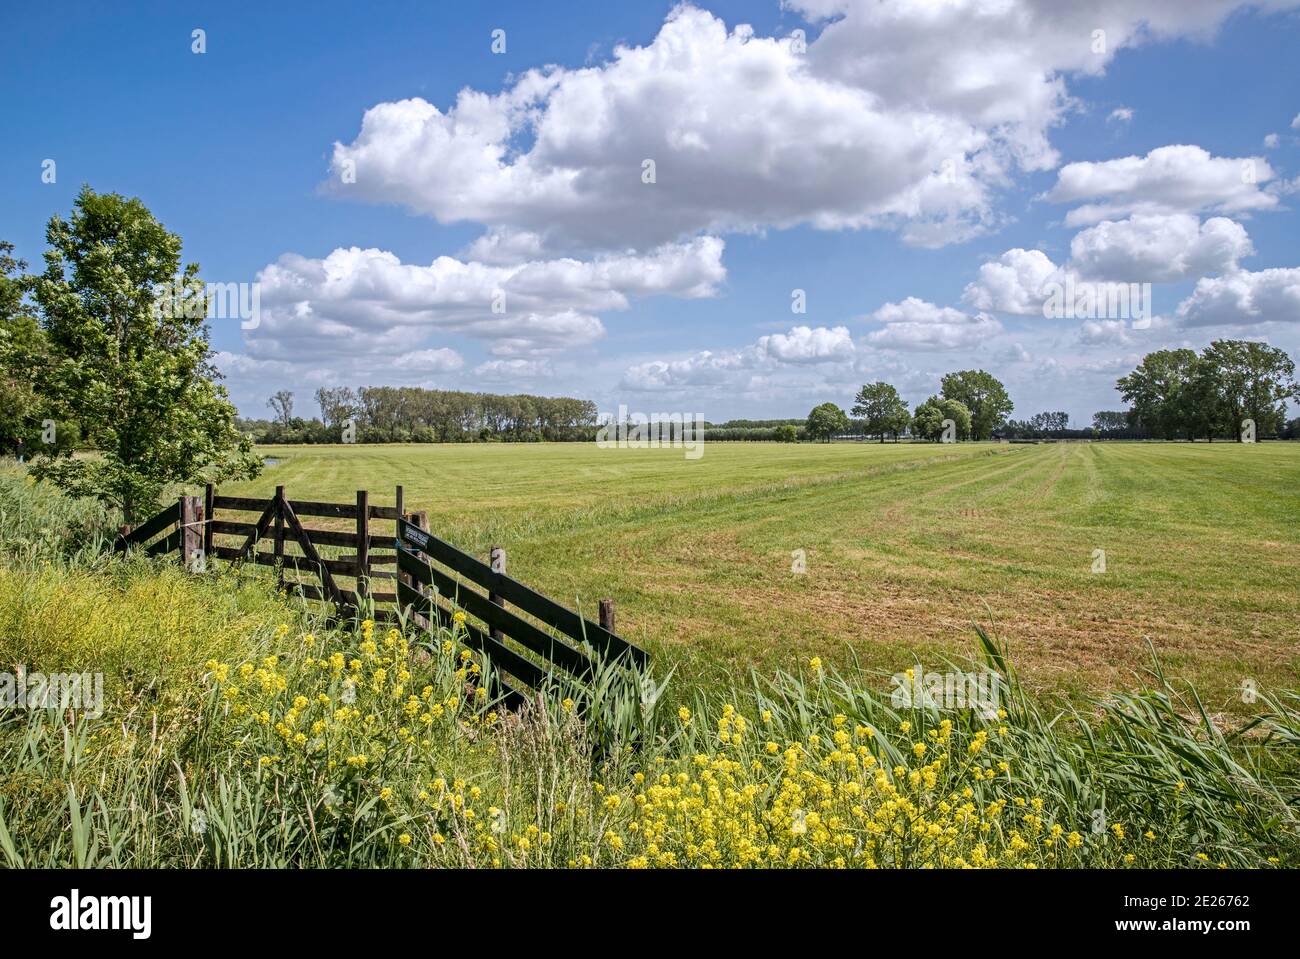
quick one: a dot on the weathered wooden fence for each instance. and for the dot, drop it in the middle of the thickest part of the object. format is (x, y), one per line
(574, 644)
(430, 579)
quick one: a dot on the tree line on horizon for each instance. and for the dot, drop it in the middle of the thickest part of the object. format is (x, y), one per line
(409, 414)
(1174, 394)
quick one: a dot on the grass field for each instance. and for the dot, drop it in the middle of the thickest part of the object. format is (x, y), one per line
(906, 545)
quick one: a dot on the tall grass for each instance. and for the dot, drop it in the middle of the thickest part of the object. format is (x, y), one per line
(39, 524)
(304, 746)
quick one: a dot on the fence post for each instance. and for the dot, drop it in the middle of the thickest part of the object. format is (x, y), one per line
(191, 539)
(397, 532)
(497, 560)
(607, 615)
(209, 511)
(420, 518)
(363, 544)
(279, 536)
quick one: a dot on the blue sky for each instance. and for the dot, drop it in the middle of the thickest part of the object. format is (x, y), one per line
(921, 171)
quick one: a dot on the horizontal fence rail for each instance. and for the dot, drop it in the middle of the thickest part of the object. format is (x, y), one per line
(148, 529)
(532, 602)
(426, 578)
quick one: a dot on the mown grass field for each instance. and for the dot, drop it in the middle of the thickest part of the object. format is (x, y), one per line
(906, 545)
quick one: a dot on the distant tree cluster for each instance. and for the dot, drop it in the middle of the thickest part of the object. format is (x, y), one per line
(826, 421)
(388, 414)
(928, 422)
(1182, 394)
(1114, 424)
(1106, 425)
(974, 401)
(748, 431)
(1055, 424)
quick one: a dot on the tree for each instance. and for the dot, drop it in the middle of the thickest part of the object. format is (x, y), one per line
(282, 406)
(1039, 425)
(1200, 407)
(1253, 381)
(927, 420)
(927, 423)
(337, 405)
(958, 412)
(825, 421)
(883, 410)
(23, 355)
(130, 365)
(1110, 421)
(1180, 393)
(786, 433)
(983, 395)
(1159, 392)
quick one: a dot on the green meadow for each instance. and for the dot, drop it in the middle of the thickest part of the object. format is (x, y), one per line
(904, 547)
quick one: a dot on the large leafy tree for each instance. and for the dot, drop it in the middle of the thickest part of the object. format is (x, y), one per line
(1180, 393)
(130, 365)
(1252, 381)
(981, 393)
(23, 356)
(1161, 392)
(1201, 407)
(825, 421)
(883, 410)
(927, 423)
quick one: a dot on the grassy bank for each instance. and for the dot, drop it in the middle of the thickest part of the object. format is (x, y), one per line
(298, 746)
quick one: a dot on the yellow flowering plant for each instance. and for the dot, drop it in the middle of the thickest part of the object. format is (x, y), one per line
(389, 746)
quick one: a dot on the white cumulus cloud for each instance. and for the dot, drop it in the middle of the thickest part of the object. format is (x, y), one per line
(1159, 248)
(1244, 299)
(357, 301)
(903, 115)
(512, 370)
(768, 360)
(441, 360)
(805, 344)
(1013, 283)
(1170, 179)
(914, 324)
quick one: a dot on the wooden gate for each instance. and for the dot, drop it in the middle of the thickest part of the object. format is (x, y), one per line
(431, 580)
